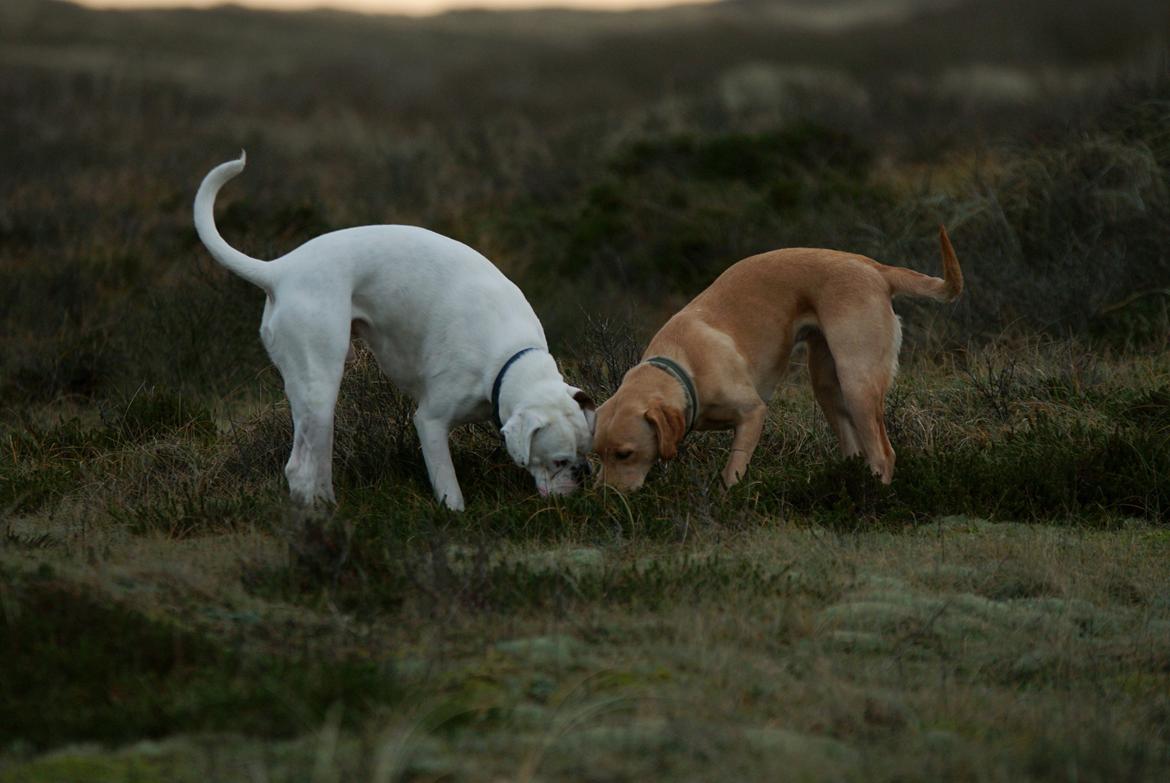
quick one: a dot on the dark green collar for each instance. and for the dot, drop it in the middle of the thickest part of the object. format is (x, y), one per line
(672, 367)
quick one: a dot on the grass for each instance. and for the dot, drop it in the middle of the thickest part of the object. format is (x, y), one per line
(999, 612)
(986, 648)
(1013, 571)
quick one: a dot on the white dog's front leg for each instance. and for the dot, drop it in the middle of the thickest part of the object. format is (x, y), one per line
(433, 434)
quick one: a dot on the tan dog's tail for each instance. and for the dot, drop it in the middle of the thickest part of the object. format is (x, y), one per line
(943, 289)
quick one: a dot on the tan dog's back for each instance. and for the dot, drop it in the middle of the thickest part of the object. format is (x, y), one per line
(765, 302)
(755, 299)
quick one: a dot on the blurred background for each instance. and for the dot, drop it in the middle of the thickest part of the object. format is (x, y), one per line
(810, 624)
(612, 163)
(412, 7)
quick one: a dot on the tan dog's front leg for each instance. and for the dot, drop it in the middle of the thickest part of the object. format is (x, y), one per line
(743, 445)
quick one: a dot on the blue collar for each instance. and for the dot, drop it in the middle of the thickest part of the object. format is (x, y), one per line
(674, 369)
(500, 381)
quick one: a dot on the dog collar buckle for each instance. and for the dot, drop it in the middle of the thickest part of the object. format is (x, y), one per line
(500, 381)
(673, 368)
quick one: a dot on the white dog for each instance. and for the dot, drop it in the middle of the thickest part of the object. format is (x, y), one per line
(445, 326)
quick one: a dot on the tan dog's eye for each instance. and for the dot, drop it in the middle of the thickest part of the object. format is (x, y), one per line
(624, 454)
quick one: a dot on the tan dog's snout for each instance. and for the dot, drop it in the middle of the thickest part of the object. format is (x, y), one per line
(625, 478)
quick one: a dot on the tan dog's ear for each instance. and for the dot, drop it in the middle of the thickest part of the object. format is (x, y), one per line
(669, 424)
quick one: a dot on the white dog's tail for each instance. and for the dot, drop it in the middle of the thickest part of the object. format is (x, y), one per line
(253, 270)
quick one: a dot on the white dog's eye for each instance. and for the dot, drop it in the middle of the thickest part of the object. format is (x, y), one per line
(561, 464)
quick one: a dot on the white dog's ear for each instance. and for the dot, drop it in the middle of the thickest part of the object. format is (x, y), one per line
(588, 407)
(518, 431)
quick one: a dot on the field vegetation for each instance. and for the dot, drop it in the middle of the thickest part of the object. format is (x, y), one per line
(1000, 612)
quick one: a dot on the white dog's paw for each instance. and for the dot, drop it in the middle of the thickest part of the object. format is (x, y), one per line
(453, 501)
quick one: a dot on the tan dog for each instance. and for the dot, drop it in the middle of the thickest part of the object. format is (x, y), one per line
(717, 362)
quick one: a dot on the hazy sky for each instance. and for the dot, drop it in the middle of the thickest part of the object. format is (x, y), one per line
(391, 6)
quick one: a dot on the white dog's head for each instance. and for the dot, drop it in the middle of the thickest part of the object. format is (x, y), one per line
(551, 435)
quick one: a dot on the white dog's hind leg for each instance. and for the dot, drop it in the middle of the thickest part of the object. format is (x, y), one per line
(311, 363)
(310, 466)
(433, 434)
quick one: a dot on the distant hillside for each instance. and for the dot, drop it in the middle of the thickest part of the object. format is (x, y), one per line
(563, 61)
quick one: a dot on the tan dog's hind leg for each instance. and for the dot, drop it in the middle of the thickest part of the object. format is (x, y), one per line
(743, 444)
(865, 352)
(826, 386)
(864, 397)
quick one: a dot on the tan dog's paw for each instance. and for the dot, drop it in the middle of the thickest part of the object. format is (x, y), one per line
(736, 467)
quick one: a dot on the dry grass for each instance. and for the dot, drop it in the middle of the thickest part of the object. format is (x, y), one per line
(683, 633)
(959, 649)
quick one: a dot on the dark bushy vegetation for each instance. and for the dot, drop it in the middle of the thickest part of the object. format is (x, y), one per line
(1056, 238)
(1060, 225)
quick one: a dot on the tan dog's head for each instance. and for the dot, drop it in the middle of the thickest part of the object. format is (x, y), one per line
(644, 421)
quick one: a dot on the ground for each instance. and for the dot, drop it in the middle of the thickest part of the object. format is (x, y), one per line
(686, 632)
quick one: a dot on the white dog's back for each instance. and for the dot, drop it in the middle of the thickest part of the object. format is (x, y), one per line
(420, 299)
